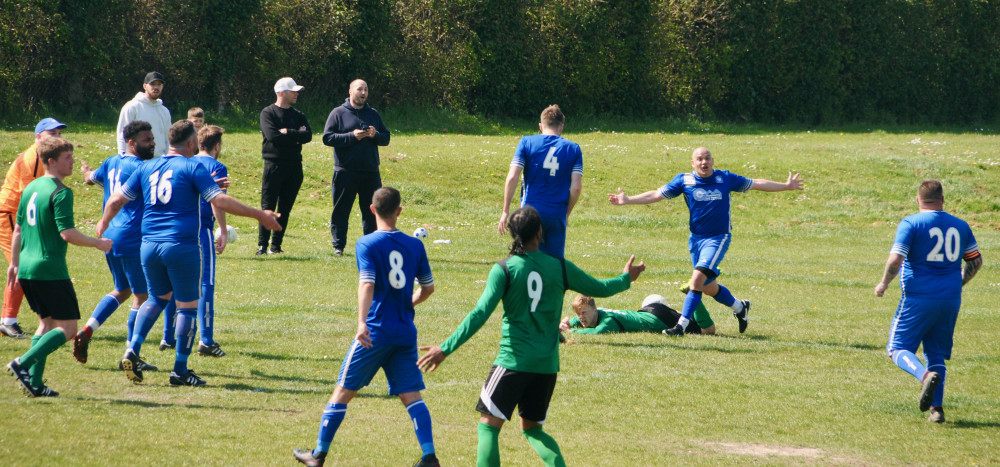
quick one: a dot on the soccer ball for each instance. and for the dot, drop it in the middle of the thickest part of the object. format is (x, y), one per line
(230, 233)
(420, 232)
(655, 299)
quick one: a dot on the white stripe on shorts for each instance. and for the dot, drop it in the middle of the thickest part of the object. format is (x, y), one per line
(486, 395)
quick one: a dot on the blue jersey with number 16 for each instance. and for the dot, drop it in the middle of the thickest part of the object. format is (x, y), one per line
(392, 259)
(171, 188)
(125, 230)
(934, 244)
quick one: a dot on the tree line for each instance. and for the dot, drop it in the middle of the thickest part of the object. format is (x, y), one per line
(802, 61)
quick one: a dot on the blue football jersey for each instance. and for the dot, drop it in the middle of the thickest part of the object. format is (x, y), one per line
(217, 170)
(125, 229)
(392, 259)
(171, 187)
(707, 199)
(548, 163)
(934, 244)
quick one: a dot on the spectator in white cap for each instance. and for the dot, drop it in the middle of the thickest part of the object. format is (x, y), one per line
(25, 169)
(148, 107)
(285, 130)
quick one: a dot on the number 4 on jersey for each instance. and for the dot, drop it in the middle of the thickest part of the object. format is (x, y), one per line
(551, 162)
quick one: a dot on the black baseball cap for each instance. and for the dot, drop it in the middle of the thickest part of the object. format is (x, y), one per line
(154, 76)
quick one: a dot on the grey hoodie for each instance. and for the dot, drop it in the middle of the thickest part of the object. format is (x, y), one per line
(141, 108)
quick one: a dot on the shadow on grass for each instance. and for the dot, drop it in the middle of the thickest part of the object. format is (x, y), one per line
(271, 356)
(250, 388)
(972, 424)
(149, 404)
(671, 344)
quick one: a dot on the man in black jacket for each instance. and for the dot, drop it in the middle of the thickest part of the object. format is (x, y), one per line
(355, 131)
(285, 130)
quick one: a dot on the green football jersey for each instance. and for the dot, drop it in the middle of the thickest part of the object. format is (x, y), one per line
(46, 209)
(620, 321)
(532, 295)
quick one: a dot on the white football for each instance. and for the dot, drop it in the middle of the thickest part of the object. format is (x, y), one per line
(420, 232)
(655, 299)
(230, 233)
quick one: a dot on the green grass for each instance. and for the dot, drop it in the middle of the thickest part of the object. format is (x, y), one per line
(808, 383)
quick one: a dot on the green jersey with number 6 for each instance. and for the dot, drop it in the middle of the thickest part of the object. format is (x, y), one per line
(46, 209)
(532, 289)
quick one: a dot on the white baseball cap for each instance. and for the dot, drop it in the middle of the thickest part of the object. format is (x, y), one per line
(286, 84)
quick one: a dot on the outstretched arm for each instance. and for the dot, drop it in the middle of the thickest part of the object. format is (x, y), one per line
(115, 203)
(621, 199)
(891, 270)
(233, 206)
(75, 237)
(793, 183)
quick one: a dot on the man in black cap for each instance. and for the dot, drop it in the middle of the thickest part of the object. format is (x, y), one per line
(147, 106)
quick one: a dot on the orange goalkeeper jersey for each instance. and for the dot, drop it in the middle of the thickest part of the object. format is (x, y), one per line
(24, 170)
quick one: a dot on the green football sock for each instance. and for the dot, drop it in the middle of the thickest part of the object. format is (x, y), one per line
(37, 369)
(545, 446)
(47, 344)
(488, 454)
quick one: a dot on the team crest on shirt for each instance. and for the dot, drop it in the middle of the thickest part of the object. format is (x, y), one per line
(718, 179)
(701, 194)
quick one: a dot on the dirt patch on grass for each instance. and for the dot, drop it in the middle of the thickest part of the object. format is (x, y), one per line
(766, 450)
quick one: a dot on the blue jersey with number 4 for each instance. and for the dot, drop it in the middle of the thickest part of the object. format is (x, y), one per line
(391, 260)
(707, 199)
(171, 188)
(125, 229)
(549, 162)
(934, 244)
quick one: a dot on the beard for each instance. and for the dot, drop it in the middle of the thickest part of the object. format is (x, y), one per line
(144, 153)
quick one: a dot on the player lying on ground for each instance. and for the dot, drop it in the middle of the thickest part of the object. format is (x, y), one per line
(388, 263)
(531, 285)
(706, 192)
(653, 316)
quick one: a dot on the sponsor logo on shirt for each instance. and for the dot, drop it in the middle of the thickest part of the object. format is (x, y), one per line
(701, 194)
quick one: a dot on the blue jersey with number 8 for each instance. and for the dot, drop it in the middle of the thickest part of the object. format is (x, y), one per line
(392, 260)
(934, 244)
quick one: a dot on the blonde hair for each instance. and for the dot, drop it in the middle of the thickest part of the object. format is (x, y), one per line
(552, 116)
(196, 112)
(582, 300)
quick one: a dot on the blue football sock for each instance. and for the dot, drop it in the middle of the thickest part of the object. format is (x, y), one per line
(206, 313)
(332, 417)
(186, 327)
(690, 303)
(169, 322)
(108, 304)
(144, 321)
(937, 364)
(422, 425)
(130, 325)
(909, 363)
(725, 297)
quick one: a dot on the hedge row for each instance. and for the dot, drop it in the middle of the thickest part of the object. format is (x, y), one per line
(810, 61)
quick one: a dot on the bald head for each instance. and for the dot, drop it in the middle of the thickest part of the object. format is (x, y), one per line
(701, 160)
(358, 93)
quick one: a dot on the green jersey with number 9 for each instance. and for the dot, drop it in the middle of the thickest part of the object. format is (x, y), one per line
(532, 289)
(46, 209)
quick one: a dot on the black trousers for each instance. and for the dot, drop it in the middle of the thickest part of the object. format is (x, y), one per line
(347, 185)
(279, 187)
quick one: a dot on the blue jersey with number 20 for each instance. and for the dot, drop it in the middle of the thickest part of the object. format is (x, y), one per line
(392, 259)
(934, 244)
(171, 188)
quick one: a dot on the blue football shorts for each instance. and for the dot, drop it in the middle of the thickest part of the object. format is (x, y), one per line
(927, 321)
(127, 273)
(172, 267)
(398, 361)
(708, 252)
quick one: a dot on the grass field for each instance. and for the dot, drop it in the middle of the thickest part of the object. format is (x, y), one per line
(808, 383)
